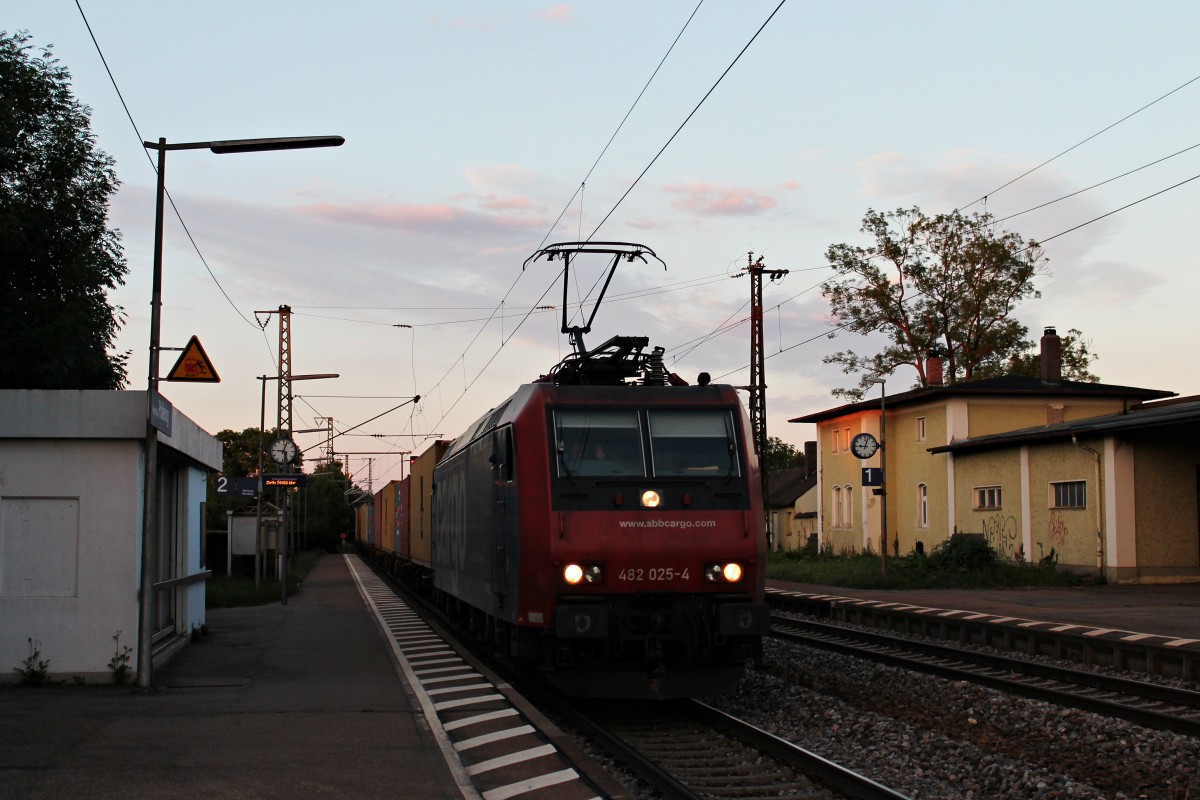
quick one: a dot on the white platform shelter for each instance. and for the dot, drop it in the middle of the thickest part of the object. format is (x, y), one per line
(72, 477)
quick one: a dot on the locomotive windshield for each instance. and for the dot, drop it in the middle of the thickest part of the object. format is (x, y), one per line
(599, 443)
(688, 444)
(692, 444)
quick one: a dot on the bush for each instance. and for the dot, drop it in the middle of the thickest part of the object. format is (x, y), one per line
(962, 553)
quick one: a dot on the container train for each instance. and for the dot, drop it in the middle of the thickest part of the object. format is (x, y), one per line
(603, 525)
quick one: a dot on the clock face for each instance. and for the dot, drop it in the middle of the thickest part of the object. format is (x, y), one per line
(283, 451)
(864, 445)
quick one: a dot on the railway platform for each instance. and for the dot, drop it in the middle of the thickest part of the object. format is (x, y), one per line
(1153, 627)
(276, 701)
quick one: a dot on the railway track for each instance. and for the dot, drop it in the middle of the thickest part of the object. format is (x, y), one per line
(687, 750)
(1150, 705)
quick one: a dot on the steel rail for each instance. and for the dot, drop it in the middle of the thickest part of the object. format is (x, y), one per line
(687, 750)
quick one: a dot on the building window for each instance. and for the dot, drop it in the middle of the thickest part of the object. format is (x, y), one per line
(1069, 494)
(848, 509)
(846, 442)
(836, 522)
(920, 429)
(922, 506)
(987, 498)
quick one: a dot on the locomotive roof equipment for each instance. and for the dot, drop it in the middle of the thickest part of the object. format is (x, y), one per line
(618, 358)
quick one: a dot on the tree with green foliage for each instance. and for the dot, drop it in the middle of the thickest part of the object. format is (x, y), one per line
(328, 506)
(1077, 358)
(781, 455)
(947, 283)
(59, 257)
(241, 449)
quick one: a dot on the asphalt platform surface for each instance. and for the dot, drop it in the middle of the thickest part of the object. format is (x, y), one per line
(276, 701)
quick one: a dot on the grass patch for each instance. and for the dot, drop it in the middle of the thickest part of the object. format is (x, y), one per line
(232, 591)
(915, 571)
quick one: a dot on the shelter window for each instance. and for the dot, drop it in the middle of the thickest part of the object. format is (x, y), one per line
(987, 498)
(693, 444)
(598, 443)
(1069, 494)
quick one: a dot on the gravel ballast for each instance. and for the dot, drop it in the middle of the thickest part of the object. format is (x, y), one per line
(933, 738)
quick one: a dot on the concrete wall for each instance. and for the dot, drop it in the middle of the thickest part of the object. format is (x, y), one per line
(1002, 527)
(1166, 480)
(69, 552)
(909, 465)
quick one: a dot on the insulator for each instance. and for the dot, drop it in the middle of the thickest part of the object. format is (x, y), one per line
(656, 373)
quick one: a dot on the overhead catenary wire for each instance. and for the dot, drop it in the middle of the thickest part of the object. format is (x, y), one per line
(526, 316)
(112, 79)
(174, 208)
(687, 119)
(1032, 170)
(1039, 242)
(516, 280)
(723, 328)
(620, 125)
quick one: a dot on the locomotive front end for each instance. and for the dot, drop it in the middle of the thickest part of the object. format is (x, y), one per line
(657, 542)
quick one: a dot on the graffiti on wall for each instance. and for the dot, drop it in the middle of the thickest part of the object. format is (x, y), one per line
(1056, 532)
(1002, 534)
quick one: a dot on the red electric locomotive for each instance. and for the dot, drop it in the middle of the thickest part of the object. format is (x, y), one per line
(606, 526)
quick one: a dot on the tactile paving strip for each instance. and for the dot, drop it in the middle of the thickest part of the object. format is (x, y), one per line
(493, 751)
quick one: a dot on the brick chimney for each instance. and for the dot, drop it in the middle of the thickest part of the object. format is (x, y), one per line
(1051, 356)
(933, 368)
(810, 458)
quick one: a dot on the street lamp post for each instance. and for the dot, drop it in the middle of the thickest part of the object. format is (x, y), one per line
(262, 423)
(150, 511)
(883, 537)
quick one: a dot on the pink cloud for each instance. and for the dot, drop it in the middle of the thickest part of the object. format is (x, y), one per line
(715, 200)
(511, 203)
(560, 13)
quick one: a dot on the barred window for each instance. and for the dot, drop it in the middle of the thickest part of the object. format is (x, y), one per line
(1069, 494)
(987, 498)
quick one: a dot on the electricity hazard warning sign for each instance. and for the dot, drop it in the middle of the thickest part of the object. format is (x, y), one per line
(193, 365)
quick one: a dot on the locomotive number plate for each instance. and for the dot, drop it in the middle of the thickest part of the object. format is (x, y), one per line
(654, 574)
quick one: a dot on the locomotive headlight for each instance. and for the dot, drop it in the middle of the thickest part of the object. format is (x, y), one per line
(575, 574)
(651, 499)
(730, 572)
